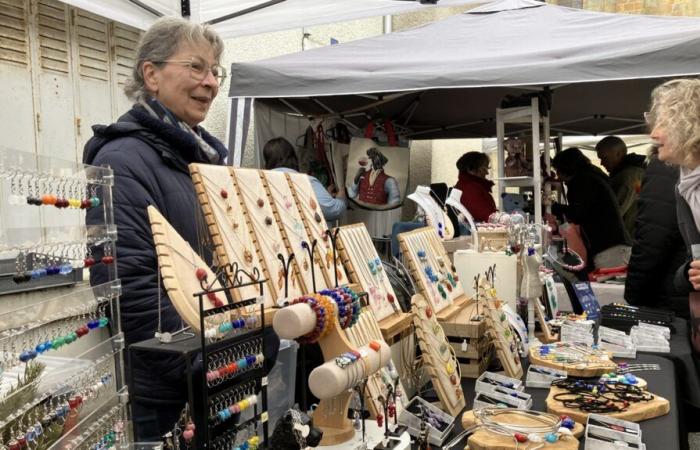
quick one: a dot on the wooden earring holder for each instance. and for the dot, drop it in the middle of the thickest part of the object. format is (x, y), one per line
(210, 183)
(250, 187)
(496, 329)
(390, 324)
(546, 336)
(299, 319)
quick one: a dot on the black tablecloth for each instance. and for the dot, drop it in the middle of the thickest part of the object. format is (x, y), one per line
(660, 433)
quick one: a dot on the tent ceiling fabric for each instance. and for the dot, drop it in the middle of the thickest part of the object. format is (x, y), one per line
(597, 64)
(288, 14)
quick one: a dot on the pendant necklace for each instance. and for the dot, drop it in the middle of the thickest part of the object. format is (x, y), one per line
(376, 293)
(379, 273)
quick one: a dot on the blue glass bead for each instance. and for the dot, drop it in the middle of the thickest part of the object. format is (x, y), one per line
(40, 348)
(26, 356)
(30, 436)
(93, 324)
(35, 274)
(65, 269)
(222, 414)
(421, 254)
(250, 359)
(242, 363)
(42, 272)
(551, 438)
(245, 446)
(568, 423)
(60, 412)
(38, 430)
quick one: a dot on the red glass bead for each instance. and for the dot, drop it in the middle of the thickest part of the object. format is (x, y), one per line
(563, 417)
(187, 435)
(261, 203)
(520, 437)
(107, 260)
(224, 194)
(390, 298)
(22, 441)
(380, 420)
(218, 303)
(89, 262)
(73, 403)
(82, 331)
(85, 203)
(453, 379)
(211, 296)
(428, 312)
(201, 274)
(312, 203)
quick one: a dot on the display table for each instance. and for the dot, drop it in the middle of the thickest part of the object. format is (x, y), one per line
(606, 293)
(659, 433)
(374, 436)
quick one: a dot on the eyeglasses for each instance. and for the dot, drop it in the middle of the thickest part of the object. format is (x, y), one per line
(199, 68)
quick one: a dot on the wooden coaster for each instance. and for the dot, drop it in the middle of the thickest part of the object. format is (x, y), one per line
(583, 370)
(636, 412)
(486, 440)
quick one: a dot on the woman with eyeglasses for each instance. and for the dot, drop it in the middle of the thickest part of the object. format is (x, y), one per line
(473, 169)
(177, 75)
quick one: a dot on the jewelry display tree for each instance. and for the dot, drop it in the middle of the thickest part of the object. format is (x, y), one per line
(289, 218)
(317, 228)
(225, 334)
(322, 319)
(230, 231)
(438, 356)
(437, 281)
(271, 242)
(61, 371)
(365, 268)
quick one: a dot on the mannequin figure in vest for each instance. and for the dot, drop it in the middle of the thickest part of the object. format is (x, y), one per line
(372, 187)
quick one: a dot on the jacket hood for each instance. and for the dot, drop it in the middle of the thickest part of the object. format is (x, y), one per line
(174, 144)
(630, 160)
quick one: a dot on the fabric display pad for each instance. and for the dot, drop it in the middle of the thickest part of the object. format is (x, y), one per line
(624, 317)
(499, 329)
(485, 439)
(365, 268)
(578, 360)
(432, 270)
(577, 398)
(438, 356)
(288, 217)
(261, 216)
(181, 269)
(366, 330)
(316, 227)
(234, 243)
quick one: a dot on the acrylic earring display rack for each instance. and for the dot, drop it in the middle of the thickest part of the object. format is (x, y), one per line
(41, 387)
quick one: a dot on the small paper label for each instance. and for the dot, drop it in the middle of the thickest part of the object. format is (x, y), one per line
(263, 417)
(282, 302)
(264, 381)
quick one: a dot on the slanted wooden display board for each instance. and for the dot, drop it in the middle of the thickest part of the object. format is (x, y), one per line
(595, 367)
(366, 330)
(316, 227)
(438, 356)
(499, 330)
(288, 217)
(178, 263)
(266, 232)
(445, 301)
(547, 336)
(636, 411)
(229, 228)
(484, 439)
(365, 268)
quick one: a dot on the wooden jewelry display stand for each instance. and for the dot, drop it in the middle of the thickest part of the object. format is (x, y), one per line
(444, 371)
(230, 231)
(317, 228)
(271, 243)
(288, 216)
(457, 314)
(635, 412)
(499, 329)
(357, 251)
(546, 336)
(483, 439)
(595, 367)
(299, 319)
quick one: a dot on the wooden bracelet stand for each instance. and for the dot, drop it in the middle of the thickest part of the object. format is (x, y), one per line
(391, 324)
(218, 197)
(483, 439)
(636, 411)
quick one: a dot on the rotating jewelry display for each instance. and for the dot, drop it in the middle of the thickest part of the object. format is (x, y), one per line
(227, 340)
(288, 216)
(365, 268)
(317, 228)
(261, 218)
(48, 399)
(229, 230)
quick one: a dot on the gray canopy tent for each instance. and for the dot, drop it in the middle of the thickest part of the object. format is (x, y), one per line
(446, 79)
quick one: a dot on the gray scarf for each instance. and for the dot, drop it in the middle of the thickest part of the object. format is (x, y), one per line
(689, 188)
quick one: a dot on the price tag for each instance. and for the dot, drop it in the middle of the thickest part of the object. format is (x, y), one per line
(263, 417)
(264, 381)
(587, 299)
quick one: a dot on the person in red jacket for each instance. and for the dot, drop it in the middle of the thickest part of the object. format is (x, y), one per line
(476, 189)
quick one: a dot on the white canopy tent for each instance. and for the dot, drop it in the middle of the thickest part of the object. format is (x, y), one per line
(446, 79)
(235, 18)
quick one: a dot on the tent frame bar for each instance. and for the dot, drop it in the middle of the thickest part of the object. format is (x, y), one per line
(243, 12)
(147, 8)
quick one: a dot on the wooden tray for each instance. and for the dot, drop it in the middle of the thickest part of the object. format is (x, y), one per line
(574, 370)
(636, 412)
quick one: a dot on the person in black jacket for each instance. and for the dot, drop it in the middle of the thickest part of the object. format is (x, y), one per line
(593, 206)
(658, 248)
(176, 78)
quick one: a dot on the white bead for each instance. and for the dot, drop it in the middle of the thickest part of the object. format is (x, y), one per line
(535, 438)
(253, 400)
(565, 431)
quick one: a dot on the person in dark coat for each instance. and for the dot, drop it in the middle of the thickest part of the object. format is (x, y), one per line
(626, 171)
(658, 248)
(176, 77)
(476, 188)
(593, 206)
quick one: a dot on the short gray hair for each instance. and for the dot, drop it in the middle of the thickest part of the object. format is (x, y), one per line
(161, 41)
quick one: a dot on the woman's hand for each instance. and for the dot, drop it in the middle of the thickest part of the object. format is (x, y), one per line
(694, 274)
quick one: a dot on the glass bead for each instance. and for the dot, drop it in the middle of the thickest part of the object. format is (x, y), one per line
(94, 202)
(103, 322)
(93, 324)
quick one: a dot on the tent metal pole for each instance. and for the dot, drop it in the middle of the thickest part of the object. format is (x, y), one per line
(567, 122)
(292, 107)
(626, 119)
(617, 130)
(448, 127)
(322, 105)
(242, 12)
(144, 6)
(565, 131)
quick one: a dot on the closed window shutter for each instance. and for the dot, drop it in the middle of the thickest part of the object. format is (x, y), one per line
(13, 31)
(92, 46)
(53, 36)
(126, 40)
